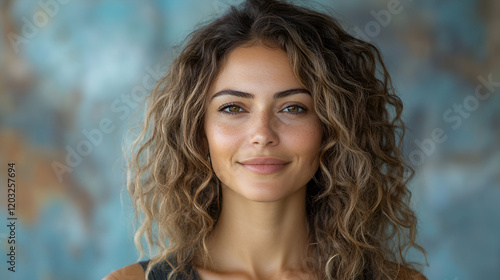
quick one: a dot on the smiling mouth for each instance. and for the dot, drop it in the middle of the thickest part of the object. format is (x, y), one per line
(264, 166)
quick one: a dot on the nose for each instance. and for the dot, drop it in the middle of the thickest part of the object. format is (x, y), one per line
(263, 132)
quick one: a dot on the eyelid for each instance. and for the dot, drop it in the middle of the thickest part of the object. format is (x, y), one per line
(304, 108)
(224, 106)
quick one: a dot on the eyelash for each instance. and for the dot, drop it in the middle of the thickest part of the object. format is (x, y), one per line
(223, 108)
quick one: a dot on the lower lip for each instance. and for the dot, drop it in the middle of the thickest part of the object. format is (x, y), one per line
(264, 168)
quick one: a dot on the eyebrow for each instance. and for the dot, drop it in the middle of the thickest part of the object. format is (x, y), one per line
(277, 95)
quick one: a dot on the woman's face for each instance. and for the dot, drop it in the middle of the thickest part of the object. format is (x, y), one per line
(263, 134)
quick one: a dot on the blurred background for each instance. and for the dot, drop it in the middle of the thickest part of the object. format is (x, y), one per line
(72, 74)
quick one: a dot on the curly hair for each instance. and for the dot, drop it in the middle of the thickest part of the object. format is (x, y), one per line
(359, 218)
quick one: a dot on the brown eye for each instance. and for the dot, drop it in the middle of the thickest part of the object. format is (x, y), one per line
(231, 109)
(294, 109)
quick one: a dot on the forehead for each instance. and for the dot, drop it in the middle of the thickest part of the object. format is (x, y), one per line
(255, 68)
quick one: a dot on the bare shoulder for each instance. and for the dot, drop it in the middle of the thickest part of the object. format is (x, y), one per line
(129, 272)
(410, 274)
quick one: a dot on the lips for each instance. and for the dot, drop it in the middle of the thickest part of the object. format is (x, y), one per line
(264, 165)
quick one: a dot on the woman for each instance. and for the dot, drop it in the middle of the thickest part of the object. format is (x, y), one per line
(270, 150)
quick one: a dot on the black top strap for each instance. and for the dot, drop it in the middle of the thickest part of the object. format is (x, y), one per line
(161, 271)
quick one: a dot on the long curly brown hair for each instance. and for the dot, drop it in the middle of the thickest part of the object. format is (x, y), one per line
(359, 218)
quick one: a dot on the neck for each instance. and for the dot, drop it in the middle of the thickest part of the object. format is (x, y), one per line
(260, 237)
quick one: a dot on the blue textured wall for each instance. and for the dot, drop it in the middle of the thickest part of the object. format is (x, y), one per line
(73, 72)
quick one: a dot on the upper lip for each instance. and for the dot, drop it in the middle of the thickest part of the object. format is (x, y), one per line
(264, 161)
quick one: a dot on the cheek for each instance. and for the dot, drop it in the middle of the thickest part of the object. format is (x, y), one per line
(223, 143)
(222, 137)
(306, 140)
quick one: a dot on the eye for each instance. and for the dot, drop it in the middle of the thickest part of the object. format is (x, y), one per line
(294, 109)
(231, 109)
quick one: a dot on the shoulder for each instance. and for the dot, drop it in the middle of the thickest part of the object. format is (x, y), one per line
(160, 270)
(129, 272)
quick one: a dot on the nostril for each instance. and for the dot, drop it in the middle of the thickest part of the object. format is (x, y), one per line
(264, 137)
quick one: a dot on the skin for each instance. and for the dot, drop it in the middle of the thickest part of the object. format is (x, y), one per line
(262, 230)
